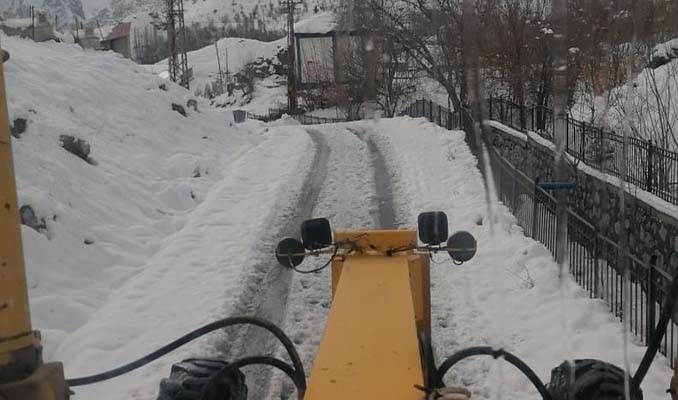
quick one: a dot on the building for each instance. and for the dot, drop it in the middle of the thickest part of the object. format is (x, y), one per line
(119, 40)
(90, 40)
(325, 58)
(38, 28)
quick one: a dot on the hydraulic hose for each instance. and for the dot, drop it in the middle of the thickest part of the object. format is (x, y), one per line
(489, 351)
(202, 331)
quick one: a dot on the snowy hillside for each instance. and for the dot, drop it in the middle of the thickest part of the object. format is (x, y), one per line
(648, 102)
(103, 218)
(235, 54)
(64, 10)
(650, 105)
(261, 14)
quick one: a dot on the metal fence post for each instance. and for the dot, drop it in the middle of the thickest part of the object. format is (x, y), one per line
(513, 196)
(449, 120)
(596, 266)
(583, 140)
(511, 113)
(650, 167)
(430, 110)
(651, 300)
(567, 128)
(534, 213)
(490, 105)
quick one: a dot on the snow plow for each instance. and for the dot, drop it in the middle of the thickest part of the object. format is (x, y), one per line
(377, 341)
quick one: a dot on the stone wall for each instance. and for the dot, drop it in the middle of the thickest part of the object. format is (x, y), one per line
(650, 231)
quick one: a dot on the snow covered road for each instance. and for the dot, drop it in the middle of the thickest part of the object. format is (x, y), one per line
(508, 296)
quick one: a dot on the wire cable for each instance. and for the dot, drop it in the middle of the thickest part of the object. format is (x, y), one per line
(202, 331)
(314, 271)
(489, 351)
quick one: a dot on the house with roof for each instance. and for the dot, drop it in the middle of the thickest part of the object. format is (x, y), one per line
(38, 27)
(119, 40)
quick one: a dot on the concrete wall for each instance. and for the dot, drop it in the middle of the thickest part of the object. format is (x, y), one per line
(651, 229)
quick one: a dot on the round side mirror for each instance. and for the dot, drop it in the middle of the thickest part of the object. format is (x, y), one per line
(290, 253)
(462, 246)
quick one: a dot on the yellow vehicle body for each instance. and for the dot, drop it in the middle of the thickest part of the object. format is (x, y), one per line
(370, 348)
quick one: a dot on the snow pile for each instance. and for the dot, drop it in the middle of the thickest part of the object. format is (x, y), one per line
(650, 103)
(664, 52)
(323, 22)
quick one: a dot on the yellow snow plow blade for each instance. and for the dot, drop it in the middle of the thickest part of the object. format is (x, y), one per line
(370, 348)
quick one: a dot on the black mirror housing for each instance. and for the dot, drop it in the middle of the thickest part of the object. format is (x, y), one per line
(316, 233)
(432, 227)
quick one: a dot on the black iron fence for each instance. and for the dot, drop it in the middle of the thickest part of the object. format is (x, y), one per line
(649, 167)
(276, 113)
(594, 260)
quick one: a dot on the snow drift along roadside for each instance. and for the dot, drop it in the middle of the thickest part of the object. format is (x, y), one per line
(197, 276)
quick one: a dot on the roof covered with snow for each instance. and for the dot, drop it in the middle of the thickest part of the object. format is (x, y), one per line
(16, 22)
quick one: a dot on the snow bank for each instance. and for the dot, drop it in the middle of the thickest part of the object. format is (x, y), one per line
(508, 295)
(196, 277)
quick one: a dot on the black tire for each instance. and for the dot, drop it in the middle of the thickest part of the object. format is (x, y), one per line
(593, 380)
(203, 379)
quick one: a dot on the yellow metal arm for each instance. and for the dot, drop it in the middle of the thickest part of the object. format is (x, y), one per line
(15, 320)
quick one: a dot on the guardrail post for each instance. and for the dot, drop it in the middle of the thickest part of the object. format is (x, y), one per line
(650, 167)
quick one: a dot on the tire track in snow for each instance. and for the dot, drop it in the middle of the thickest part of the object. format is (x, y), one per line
(350, 199)
(266, 291)
(382, 181)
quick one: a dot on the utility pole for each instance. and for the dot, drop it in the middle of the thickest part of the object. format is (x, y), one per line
(176, 42)
(366, 21)
(221, 75)
(33, 23)
(289, 7)
(77, 33)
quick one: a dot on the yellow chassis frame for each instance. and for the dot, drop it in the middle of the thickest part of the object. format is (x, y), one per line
(380, 306)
